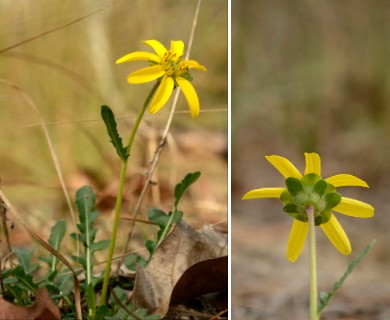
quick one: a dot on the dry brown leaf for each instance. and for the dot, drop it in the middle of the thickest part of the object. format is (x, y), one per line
(186, 264)
(42, 309)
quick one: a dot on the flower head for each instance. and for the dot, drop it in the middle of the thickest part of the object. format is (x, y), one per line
(321, 194)
(170, 68)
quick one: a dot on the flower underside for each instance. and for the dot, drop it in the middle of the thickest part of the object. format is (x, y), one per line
(310, 190)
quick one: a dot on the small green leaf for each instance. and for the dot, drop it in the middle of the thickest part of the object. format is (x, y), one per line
(177, 216)
(310, 179)
(183, 186)
(293, 208)
(320, 187)
(101, 245)
(116, 140)
(158, 217)
(332, 200)
(134, 261)
(24, 256)
(326, 297)
(285, 197)
(294, 186)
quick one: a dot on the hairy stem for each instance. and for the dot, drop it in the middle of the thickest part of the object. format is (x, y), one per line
(313, 264)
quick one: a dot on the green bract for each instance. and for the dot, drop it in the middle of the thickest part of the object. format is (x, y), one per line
(310, 190)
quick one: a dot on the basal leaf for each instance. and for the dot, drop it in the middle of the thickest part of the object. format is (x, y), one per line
(134, 261)
(116, 140)
(24, 256)
(101, 245)
(56, 236)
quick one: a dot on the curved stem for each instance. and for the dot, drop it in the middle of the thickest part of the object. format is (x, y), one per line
(313, 265)
(118, 204)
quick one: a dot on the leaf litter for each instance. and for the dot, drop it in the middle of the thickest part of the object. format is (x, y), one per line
(187, 264)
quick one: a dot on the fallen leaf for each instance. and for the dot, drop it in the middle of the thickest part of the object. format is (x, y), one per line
(42, 309)
(185, 265)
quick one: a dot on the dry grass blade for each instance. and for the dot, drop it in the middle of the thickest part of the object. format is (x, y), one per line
(44, 244)
(3, 214)
(53, 154)
(52, 30)
(162, 141)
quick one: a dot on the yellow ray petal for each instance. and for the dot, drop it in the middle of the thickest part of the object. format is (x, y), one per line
(313, 163)
(336, 235)
(190, 94)
(263, 193)
(194, 64)
(296, 240)
(177, 49)
(284, 166)
(346, 180)
(139, 56)
(157, 46)
(162, 95)
(354, 208)
(145, 74)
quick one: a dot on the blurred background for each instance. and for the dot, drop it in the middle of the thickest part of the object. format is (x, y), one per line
(68, 74)
(309, 76)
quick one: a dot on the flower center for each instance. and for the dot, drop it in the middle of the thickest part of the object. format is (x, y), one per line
(312, 191)
(173, 65)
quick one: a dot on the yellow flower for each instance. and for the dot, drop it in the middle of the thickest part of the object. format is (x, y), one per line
(169, 67)
(319, 193)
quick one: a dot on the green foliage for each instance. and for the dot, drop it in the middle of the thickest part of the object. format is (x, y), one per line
(125, 310)
(56, 236)
(20, 286)
(184, 185)
(85, 202)
(164, 221)
(326, 297)
(116, 140)
(25, 257)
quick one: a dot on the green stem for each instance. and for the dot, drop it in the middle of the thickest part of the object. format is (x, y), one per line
(118, 204)
(313, 265)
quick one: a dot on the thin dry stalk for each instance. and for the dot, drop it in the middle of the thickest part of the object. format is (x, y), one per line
(162, 143)
(53, 154)
(54, 29)
(3, 214)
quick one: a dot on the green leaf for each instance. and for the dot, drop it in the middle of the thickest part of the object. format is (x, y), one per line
(101, 245)
(326, 297)
(320, 187)
(294, 186)
(116, 140)
(85, 202)
(158, 217)
(285, 197)
(183, 186)
(19, 279)
(293, 208)
(24, 256)
(134, 261)
(177, 216)
(57, 234)
(332, 200)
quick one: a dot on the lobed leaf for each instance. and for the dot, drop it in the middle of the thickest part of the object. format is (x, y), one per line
(184, 185)
(116, 140)
(326, 297)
